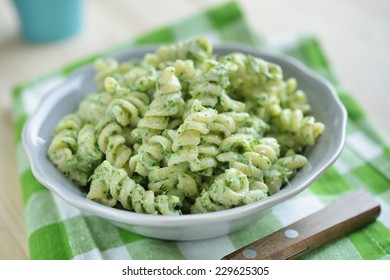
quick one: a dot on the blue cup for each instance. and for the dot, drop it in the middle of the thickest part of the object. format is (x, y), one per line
(49, 20)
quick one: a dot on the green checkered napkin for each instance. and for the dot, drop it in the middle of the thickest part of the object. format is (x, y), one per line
(57, 230)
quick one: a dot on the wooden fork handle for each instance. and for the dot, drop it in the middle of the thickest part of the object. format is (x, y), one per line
(346, 215)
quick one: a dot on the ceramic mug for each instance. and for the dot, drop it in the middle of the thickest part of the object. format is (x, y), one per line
(49, 20)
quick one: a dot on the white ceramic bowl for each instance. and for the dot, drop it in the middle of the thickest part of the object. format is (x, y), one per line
(326, 108)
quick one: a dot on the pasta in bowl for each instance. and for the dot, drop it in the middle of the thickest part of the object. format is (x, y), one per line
(162, 136)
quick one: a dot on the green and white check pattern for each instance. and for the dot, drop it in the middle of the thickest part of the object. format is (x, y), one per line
(57, 230)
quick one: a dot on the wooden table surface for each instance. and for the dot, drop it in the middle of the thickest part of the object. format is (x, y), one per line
(355, 35)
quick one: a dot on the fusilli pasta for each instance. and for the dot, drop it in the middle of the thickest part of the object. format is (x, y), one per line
(185, 131)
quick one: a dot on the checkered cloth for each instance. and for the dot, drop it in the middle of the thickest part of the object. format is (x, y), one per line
(57, 230)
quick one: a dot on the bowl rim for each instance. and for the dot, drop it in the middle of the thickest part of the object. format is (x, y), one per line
(138, 219)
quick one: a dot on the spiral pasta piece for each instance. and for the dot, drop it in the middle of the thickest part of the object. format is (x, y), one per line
(135, 75)
(258, 82)
(167, 98)
(167, 102)
(210, 88)
(204, 204)
(197, 50)
(254, 126)
(150, 154)
(110, 185)
(294, 130)
(283, 169)
(127, 107)
(142, 79)
(228, 190)
(268, 147)
(171, 178)
(249, 156)
(88, 154)
(226, 124)
(295, 99)
(185, 143)
(73, 149)
(268, 106)
(112, 142)
(114, 100)
(222, 127)
(64, 142)
(128, 110)
(186, 72)
(94, 107)
(63, 147)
